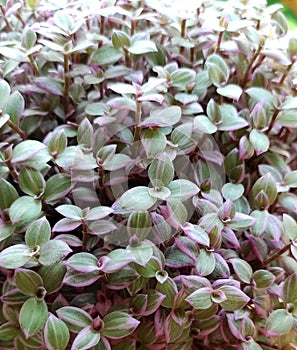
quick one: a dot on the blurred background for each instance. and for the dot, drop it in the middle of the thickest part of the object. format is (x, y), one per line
(289, 10)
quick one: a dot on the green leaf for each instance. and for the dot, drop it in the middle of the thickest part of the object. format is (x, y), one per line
(263, 279)
(106, 55)
(56, 334)
(153, 141)
(4, 118)
(204, 125)
(290, 227)
(52, 276)
(168, 288)
(242, 269)
(232, 191)
(86, 339)
(119, 324)
(83, 262)
(31, 182)
(217, 69)
(57, 143)
(260, 141)
(139, 224)
(201, 298)
(205, 263)
(29, 38)
(177, 211)
(287, 118)
(291, 179)
(53, 251)
(196, 234)
(8, 331)
(49, 85)
(14, 256)
(15, 107)
(163, 117)
(57, 186)
(26, 150)
(97, 108)
(24, 210)
(161, 172)
(8, 194)
(137, 198)
(231, 91)
(120, 39)
(182, 189)
(70, 211)
(279, 322)
(142, 253)
(262, 95)
(63, 20)
(290, 289)
(141, 47)
(28, 281)
(38, 233)
(4, 92)
(182, 77)
(33, 316)
(160, 192)
(76, 319)
(267, 184)
(235, 298)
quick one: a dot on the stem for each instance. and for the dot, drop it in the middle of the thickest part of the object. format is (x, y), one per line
(17, 130)
(85, 236)
(19, 17)
(127, 57)
(12, 171)
(247, 73)
(133, 26)
(219, 42)
(101, 184)
(183, 34)
(34, 66)
(102, 25)
(283, 78)
(137, 121)
(275, 114)
(5, 19)
(66, 83)
(192, 55)
(277, 255)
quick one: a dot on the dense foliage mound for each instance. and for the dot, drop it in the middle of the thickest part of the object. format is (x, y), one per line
(148, 184)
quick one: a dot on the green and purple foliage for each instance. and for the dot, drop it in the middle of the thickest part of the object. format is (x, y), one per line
(147, 176)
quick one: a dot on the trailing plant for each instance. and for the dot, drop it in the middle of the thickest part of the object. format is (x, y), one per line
(148, 175)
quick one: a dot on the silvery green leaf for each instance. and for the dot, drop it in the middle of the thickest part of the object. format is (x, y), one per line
(137, 198)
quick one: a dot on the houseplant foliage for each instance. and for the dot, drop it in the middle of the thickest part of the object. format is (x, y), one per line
(147, 161)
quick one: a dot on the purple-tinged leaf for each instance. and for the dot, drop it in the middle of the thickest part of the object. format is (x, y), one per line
(57, 186)
(115, 260)
(232, 191)
(56, 333)
(263, 279)
(49, 85)
(122, 88)
(242, 269)
(38, 233)
(24, 210)
(98, 213)
(4, 92)
(101, 227)
(26, 150)
(205, 263)
(66, 225)
(80, 279)
(14, 256)
(169, 289)
(33, 315)
(231, 91)
(196, 233)
(141, 253)
(85, 339)
(83, 262)
(141, 47)
(261, 222)
(106, 55)
(163, 117)
(137, 198)
(70, 211)
(236, 299)
(279, 322)
(15, 107)
(8, 194)
(53, 251)
(260, 141)
(119, 324)
(8, 331)
(201, 299)
(290, 289)
(182, 189)
(75, 318)
(241, 222)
